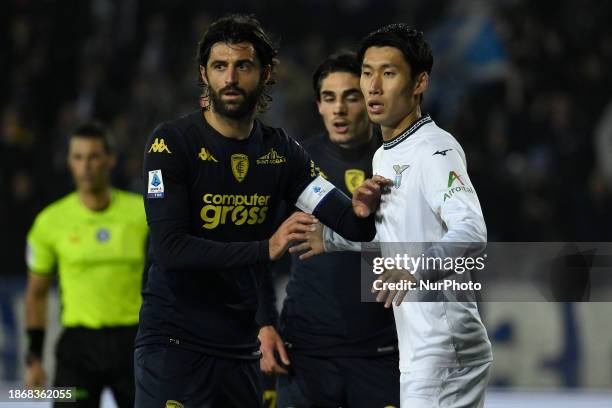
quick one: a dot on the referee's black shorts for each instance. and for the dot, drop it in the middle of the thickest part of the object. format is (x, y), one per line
(348, 382)
(170, 376)
(91, 359)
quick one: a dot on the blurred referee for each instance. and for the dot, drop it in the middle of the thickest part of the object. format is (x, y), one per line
(94, 238)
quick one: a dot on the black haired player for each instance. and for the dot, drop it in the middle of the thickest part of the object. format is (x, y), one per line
(342, 352)
(214, 179)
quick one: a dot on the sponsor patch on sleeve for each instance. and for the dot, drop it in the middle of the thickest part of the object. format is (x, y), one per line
(155, 187)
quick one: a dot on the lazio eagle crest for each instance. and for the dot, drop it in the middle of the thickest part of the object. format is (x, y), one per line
(240, 166)
(353, 178)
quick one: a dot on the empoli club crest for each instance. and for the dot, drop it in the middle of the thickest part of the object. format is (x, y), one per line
(353, 178)
(240, 166)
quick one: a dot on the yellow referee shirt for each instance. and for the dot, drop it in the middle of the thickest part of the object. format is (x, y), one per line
(98, 255)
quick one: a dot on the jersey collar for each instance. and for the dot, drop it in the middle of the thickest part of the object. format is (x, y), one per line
(254, 137)
(406, 133)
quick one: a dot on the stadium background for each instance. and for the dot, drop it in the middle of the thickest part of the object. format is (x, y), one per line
(525, 86)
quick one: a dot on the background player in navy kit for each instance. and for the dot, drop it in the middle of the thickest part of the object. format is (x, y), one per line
(342, 352)
(214, 180)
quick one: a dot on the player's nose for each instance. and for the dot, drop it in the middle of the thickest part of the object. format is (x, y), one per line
(375, 85)
(339, 108)
(231, 75)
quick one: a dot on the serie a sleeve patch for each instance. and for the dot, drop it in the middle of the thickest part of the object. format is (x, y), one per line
(155, 186)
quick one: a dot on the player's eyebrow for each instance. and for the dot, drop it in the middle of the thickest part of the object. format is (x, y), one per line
(351, 91)
(237, 62)
(381, 66)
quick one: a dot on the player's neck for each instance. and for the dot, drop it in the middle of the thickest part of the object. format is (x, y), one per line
(356, 142)
(389, 133)
(96, 200)
(238, 129)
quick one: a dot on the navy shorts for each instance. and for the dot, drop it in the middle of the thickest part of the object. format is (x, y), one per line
(169, 376)
(349, 382)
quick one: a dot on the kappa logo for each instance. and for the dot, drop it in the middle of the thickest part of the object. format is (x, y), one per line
(353, 178)
(205, 155)
(159, 146)
(240, 166)
(399, 169)
(272, 157)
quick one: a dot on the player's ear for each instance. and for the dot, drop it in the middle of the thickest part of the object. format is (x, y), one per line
(266, 73)
(203, 75)
(422, 81)
(318, 101)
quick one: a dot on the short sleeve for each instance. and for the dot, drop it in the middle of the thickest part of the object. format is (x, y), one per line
(40, 253)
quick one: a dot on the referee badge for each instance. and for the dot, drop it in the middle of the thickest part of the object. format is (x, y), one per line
(174, 404)
(102, 235)
(240, 166)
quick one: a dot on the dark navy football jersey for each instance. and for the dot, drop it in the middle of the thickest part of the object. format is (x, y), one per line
(210, 203)
(323, 313)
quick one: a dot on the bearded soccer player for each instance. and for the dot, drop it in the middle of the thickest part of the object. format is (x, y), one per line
(214, 180)
(445, 353)
(95, 239)
(341, 352)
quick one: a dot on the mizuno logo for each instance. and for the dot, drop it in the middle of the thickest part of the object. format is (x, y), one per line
(159, 146)
(205, 155)
(442, 152)
(272, 157)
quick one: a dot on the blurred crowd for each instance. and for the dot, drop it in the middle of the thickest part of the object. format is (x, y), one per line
(522, 85)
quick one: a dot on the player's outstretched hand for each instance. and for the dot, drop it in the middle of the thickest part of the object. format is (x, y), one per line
(35, 375)
(292, 229)
(313, 244)
(392, 276)
(366, 197)
(270, 342)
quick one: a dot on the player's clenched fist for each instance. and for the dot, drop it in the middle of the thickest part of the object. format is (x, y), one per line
(292, 229)
(366, 197)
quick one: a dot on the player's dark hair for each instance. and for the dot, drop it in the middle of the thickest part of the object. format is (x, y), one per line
(409, 41)
(94, 129)
(234, 29)
(341, 61)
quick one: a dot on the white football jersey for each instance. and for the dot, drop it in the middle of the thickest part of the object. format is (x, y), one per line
(432, 200)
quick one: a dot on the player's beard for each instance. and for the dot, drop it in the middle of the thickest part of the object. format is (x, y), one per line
(235, 109)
